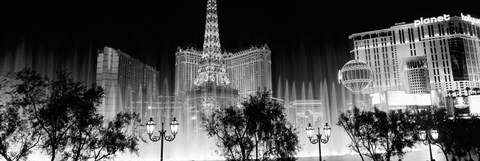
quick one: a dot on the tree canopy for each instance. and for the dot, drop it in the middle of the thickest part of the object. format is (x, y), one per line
(60, 117)
(257, 129)
(457, 137)
(378, 135)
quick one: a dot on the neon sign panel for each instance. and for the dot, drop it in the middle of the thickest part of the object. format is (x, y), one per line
(425, 21)
(445, 17)
(470, 19)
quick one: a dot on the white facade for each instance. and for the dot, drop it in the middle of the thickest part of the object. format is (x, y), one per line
(186, 69)
(129, 84)
(450, 45)
(250, 69)
(247, 70)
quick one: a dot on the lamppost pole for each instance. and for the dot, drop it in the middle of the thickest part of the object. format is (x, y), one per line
(319, 139)
(151, 127)
(162, 135)
(430, 148)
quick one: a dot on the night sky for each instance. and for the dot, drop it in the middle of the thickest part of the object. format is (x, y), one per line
(309, 40)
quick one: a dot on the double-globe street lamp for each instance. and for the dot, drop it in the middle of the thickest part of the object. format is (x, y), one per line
(319, 139)
(428, 137)
(151, 127)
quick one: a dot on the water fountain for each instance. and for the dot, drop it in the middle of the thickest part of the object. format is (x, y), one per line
(191, 142)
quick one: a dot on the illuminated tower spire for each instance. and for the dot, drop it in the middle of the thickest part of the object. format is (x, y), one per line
(211, 42)
(212, 66)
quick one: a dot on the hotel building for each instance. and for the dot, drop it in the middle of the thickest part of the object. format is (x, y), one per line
(250, 69)
(246, 70)
(438, 53)
(129, 84)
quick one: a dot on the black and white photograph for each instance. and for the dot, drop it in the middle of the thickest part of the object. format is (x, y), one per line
(226, 80)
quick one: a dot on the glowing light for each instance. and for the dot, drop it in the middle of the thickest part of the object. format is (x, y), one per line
(174, 126)
(327, 130)
(150, 126)
(309, 130)
(375, 98)
(474, 104)
(422, 135)
(400, 98)
(434, 134)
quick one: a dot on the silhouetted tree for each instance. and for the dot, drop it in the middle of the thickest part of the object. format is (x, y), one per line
(65, 113)
(351, 121)
(228, 125)
(17, 134)
(259, 127)
(267, 125)
(91, 138)
(458, 137)
(62, 113)
(436, 119)
(374, 131)
(398, 134)
(119, 135)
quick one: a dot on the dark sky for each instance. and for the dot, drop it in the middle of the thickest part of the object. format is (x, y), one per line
(308, 39)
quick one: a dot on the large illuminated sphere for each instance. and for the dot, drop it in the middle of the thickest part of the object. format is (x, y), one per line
(355, 75)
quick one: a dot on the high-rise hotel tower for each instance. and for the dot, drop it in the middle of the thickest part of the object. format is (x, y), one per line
(130, 85)
(246, 70)
(446, 46)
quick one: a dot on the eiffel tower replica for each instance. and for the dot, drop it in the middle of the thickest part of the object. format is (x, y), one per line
(211, 89)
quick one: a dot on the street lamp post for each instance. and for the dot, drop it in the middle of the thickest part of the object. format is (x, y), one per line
(319, 139)
(428, 138)
(151, 127)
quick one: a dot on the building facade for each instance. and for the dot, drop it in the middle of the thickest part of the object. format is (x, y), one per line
(129, 84)
(250, 69)
(450, 45)
(245, 71)
(186, 69)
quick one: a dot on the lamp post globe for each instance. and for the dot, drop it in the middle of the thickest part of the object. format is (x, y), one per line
(174, 126)
(428, 137)
(422, 135)
(326, 130)
(150, 126)
(434, 134)
(309, 130)
(319, 139)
